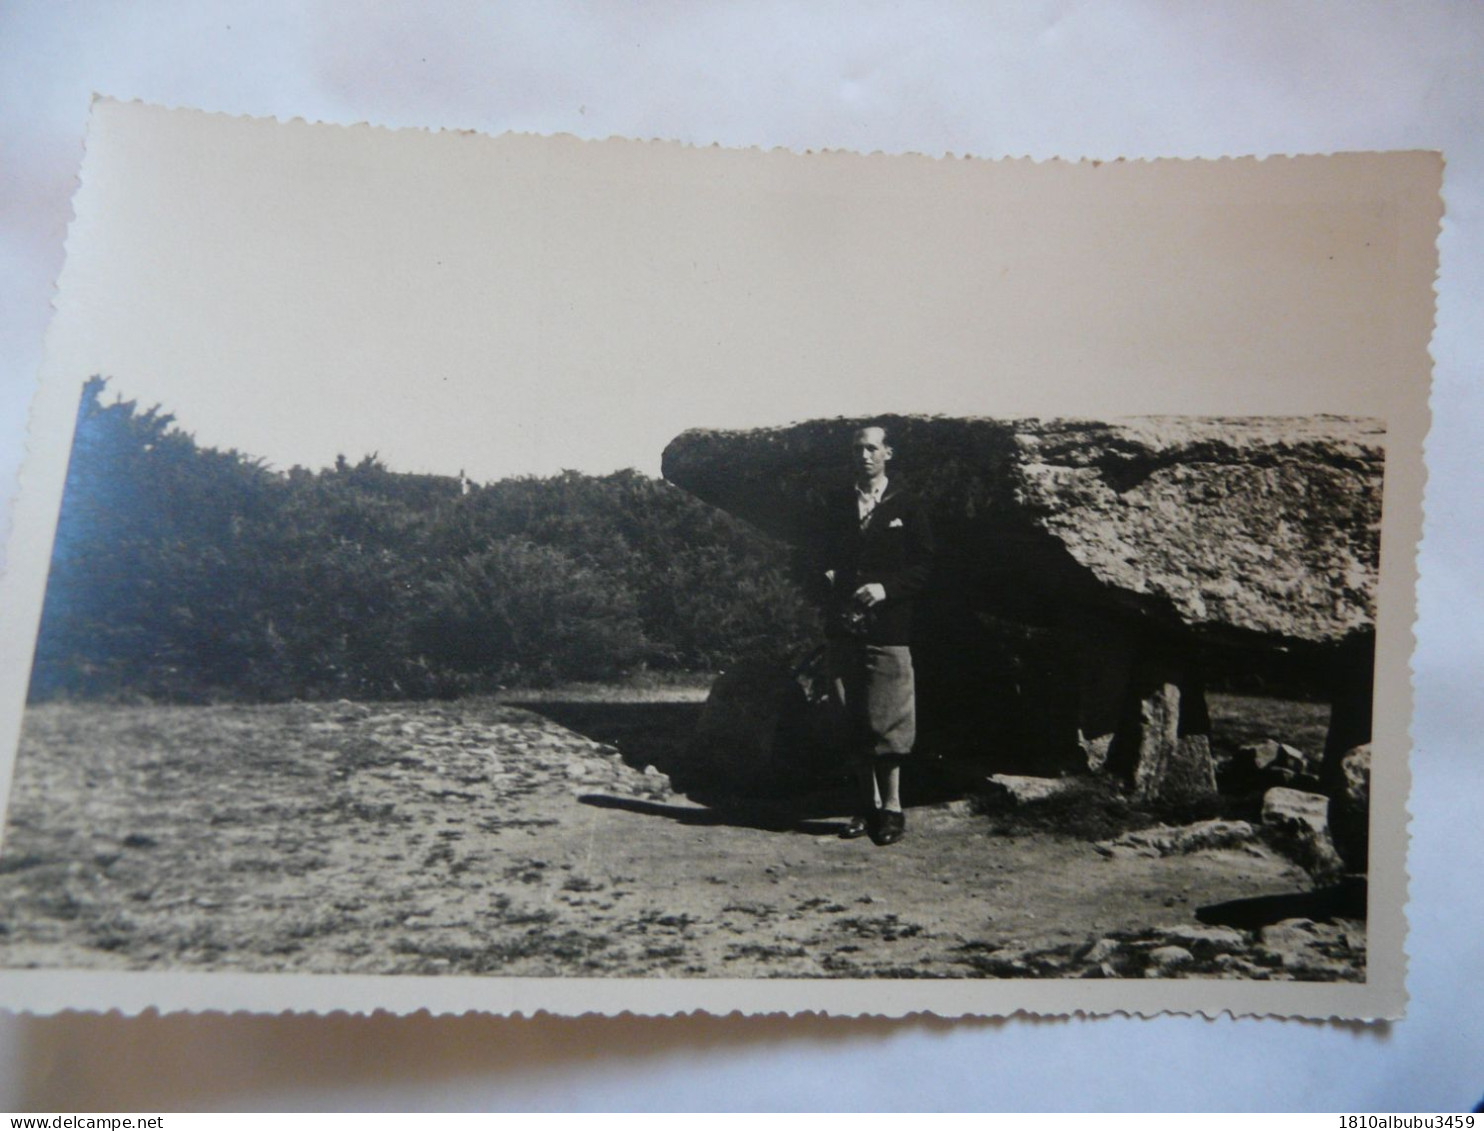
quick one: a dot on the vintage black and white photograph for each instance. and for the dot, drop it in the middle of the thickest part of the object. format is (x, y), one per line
(532, 559)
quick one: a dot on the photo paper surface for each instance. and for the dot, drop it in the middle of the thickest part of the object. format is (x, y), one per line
(522, 573)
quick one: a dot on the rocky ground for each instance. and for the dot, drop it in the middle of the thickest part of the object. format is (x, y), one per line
(482, 837)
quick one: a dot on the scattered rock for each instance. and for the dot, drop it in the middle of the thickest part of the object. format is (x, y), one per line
(1264, 765)
(1095, 749)
(1168, 840)
(1204, 941)
(960, 807)
(1165, 959)
(1350, 807)
(1280, 805)
(1296, 949)
(1101, 951)
(1276, 755)
(1300, 821)
(1310, 948)
(743, 743)
(1235, 966)
(1020, 790)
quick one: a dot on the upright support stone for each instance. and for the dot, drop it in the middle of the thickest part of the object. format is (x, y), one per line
(1345, 774)
(1163, 746)
(1158, 737)
(735, 749)
(1350, 809)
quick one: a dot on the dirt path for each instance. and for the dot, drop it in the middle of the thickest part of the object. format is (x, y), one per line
(485, 838)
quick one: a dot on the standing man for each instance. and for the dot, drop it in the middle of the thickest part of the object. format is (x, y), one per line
(878, 550)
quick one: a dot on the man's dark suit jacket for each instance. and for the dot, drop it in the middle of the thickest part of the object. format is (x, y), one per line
(895, 549)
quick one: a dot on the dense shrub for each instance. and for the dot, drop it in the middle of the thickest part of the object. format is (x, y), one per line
(529, 613)
(182, 572)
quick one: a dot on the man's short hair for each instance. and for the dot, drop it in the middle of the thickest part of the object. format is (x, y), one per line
(883, 425)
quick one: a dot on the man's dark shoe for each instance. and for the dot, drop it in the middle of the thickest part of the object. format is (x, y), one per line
(859, 826)
(891, 827)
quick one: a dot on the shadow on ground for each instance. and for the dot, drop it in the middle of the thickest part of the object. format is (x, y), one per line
(657, 734)
(647, 734)
(768, 817)
(1345, 900)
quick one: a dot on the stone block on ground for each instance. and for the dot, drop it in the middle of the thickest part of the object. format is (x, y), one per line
(759, 733)
(1301, 822)
(1017, 789)
(1275, 763)
(1174, 840)
(1350, 807)
(1281, 805)
(1274, 755)
(735, 748)
(1260, 766)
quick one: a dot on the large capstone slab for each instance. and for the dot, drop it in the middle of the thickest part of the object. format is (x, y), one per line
(1234, 527)
(1093, 575)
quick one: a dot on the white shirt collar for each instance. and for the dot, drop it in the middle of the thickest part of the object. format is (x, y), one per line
(867, 501)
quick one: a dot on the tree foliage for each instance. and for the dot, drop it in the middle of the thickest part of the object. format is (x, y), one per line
(182, 572)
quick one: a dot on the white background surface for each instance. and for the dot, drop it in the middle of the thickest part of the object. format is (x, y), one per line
(1102, 81)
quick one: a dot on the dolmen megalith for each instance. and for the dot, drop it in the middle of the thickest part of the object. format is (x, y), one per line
(1094, 576)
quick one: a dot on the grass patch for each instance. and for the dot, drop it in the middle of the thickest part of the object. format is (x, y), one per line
(1243, 720)
(1095, 808)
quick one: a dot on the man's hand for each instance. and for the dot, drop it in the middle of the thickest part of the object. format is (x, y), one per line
(872, 593)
